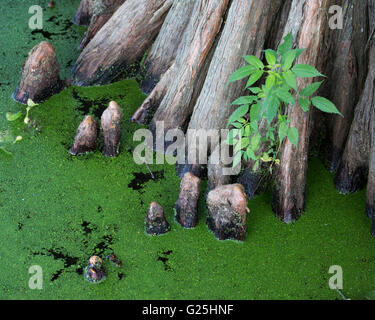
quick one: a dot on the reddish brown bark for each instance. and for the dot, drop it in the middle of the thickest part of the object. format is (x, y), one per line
(111, 128)
(101, 13)
(84, 12)
(120, 42)
(86, 137)
(164, 50)
(347, 77)
(40, 75)
(227, 211)
(353, 170)
(187, 202)
(309, 24)
(185, 77)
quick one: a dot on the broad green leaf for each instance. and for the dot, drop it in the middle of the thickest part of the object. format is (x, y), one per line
(290, 79)
(244, 142)
(305, 71)
(13, 116)
(247, 130)
(241, 73)
(311, 89)
(255, 90)
(254, 126)
(238, 114)
(325, 105)
(231, 136)
(254, 78)
(304, 104)
(272, 104)
(254, 112)
(271, 57)
(251, 154)
(237, 125)
(293, 136)
(255, 62)
(245, 100)
(270, 81)
(288, 60)
(283, 131)
(285, 96)
(255, 141)
(286, 45)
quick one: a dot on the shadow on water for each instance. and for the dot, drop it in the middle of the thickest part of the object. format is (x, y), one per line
(141, 178)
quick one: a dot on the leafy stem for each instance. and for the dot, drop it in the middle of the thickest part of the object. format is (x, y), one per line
(260, 123)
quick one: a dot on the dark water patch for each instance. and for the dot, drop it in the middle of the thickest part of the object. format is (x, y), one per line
(46, 34)
(58, 254)
(65, 24)
(120, 275)
(164, 258)
(79, 271)
(89, 106)
(141, 178)
(86, 228)
(103, 246)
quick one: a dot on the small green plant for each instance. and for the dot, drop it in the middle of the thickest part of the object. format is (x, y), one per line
(6, 138)
(268, 104)
(15, 116)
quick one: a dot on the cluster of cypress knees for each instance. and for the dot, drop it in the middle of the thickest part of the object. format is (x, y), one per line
(227, 203)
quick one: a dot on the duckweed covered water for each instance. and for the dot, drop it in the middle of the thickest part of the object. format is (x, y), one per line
(57, 210)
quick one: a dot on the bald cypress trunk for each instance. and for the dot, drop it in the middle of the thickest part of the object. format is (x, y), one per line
(164, 50)
(121, 42)
(194, 46)
(347, 77)
(102, 11)
(308, 22)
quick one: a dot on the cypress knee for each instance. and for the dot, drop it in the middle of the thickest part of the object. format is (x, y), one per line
(86, 137)
(111, 129)
(40, 75)
(187, 203)
(156, 223)
(227, 209)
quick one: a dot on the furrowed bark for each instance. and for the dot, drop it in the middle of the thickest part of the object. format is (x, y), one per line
(190, 67)
(370, 203)
(120, 42)
(348, 76)
(101, 13)
(165, 47)
(84, 12)
(352, 173)
(245, 32)
(308, 22)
